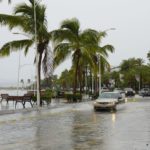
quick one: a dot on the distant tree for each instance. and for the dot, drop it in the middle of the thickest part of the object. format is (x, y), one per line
(106, 79)
(148, 55)
(116, 77)
(133, 70)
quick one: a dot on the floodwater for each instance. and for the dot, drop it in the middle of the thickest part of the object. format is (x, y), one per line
(78, 127)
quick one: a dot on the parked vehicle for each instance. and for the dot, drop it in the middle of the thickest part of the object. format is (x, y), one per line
(144, 92)
(118, 90)
(129, 92)
(107, 100)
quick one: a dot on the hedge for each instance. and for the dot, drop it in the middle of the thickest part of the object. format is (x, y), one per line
(73, 98)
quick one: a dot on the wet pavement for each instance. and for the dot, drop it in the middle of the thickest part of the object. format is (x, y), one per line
(78, 127)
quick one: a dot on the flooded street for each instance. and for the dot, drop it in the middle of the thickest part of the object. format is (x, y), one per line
(78, 127)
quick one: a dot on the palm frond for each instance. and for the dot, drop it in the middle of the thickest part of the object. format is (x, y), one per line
(63, 35)
(61, 52)
(109, 48)
(14, 46)
(105, 49)
(29, 23)
(87, 57)
(71, 24)
(47, 63)
(11, 21)
(89, 36)
(104, 64)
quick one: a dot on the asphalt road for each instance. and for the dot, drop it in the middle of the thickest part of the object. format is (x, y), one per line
(78, 127)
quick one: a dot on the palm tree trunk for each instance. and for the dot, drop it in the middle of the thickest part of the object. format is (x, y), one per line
(39, 59)
(37, 79)
(80, 80)
(76, 76)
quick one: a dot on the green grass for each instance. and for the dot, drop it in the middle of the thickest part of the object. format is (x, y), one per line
(132, 99)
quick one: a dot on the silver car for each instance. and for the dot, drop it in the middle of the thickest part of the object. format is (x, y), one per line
(107, 100)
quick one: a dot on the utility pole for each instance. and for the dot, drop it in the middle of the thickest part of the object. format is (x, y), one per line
(99, 58)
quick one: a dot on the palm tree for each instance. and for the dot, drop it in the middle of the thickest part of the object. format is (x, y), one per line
(95, 38)
(100, 53)
(23, 19)
(81, 45)
(70, 40)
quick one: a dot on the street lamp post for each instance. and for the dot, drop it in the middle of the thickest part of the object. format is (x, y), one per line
(18, 74)
(99, 59)
(137, 77)
(99, 63)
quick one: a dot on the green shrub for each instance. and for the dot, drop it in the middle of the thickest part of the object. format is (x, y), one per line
(73, 98)
(45, 96)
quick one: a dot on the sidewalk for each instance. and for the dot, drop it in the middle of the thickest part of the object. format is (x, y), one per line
(10, 107)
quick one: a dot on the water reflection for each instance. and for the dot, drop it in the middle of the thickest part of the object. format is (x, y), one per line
(113, 117)
(77, 127)
(53, 132)
(85, 131)
(94, 118)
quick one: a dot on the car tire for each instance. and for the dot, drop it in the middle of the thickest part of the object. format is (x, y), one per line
(114, 109)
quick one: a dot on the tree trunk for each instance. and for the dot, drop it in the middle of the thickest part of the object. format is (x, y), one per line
(38, 59)
(91, 81)
(76, 76)
(37, 79)
(80, 80)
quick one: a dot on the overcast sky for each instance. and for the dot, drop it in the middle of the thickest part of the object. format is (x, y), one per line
(130, 39)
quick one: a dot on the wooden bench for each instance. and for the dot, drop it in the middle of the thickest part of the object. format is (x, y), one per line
(22, 99)
(17, 99)
(4, 97)
(27, 98)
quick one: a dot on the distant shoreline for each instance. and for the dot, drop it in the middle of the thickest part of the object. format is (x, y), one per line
(10, 88)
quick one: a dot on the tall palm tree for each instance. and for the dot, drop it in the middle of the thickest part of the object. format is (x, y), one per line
(70, 40)
(81, 45)
(101, 53)
(24, 20)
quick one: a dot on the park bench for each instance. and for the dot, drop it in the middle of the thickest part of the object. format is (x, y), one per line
(18, 99)
(4, 97)
(23, 100)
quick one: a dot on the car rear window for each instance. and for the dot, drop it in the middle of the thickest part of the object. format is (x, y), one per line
(110, 95)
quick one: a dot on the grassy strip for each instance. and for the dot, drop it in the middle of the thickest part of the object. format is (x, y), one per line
(132, 99)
